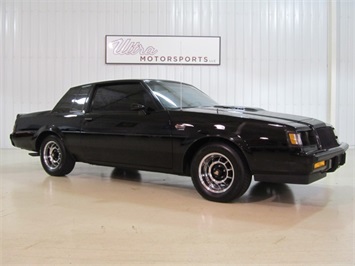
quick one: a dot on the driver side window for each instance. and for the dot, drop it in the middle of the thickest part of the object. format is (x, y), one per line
(119, 97)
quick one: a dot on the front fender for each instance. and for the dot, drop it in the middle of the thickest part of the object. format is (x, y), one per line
(195, 144)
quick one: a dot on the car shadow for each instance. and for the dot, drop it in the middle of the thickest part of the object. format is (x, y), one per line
(258, 191)
(261, 191)
(126, 174)
(290, 203)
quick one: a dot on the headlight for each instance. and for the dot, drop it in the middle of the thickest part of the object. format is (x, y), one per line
(295, 138)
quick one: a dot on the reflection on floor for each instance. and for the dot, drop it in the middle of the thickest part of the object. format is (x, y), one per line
(100, 215)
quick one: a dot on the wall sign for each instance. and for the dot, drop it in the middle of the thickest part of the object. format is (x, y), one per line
(166, 50)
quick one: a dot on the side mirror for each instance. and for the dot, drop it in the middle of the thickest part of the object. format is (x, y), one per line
(141, 108)
(137, 107)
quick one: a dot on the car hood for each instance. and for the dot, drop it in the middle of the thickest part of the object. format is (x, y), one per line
(261, 114)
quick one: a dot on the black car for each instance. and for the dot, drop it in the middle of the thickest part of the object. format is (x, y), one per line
(172, 127)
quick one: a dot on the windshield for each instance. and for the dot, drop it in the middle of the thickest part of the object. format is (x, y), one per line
(174, 95)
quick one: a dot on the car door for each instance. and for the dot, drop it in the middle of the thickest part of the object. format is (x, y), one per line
(125, 126)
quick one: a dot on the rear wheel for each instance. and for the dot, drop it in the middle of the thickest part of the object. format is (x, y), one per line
(219, 174)
(55, 158)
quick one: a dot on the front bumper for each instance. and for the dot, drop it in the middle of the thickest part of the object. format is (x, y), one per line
(333, 158)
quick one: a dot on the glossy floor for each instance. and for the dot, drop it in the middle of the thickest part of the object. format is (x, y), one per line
(99, 215)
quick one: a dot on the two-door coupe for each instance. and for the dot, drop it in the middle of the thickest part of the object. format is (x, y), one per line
(172, 127)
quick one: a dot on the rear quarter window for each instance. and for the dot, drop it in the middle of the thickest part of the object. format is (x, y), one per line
(73, 101)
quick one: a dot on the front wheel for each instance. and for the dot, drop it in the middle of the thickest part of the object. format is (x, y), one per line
(55, 158)
(219, 174)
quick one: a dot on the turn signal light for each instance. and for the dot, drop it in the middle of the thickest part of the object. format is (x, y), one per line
(319, 164)
(295, 138)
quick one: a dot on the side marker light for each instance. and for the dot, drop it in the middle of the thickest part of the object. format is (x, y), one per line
(319, 164)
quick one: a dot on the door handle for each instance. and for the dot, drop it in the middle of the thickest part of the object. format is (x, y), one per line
(183, 126)
(88, 119)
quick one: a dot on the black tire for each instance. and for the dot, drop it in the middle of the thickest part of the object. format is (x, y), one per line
(219, 174)
(55, 158)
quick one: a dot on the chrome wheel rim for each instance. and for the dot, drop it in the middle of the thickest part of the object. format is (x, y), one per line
(52, 155)
(216, 172)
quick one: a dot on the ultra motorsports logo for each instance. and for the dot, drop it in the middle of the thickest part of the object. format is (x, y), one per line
(162, 50)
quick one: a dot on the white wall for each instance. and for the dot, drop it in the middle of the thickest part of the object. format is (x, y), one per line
(274, 53)
(345, 75)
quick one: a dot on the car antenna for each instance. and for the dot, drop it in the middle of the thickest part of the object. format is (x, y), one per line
(180, 95)
(181, 69)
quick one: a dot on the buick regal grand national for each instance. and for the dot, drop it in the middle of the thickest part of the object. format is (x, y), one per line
(172, 127)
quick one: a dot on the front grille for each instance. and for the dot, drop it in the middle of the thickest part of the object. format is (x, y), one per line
(309, 138)
(327, 137)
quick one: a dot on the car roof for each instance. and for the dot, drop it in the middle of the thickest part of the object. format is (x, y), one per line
(107, 82)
